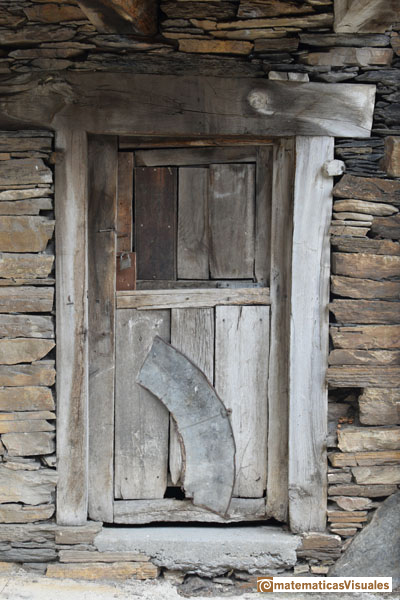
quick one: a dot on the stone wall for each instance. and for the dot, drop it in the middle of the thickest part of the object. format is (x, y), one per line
(226, 38)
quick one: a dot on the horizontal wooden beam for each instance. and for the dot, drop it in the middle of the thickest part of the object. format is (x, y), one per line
(108, 103)
(202, 298)
(122, 16)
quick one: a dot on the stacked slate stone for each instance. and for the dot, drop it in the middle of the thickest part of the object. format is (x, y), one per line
(27, 417)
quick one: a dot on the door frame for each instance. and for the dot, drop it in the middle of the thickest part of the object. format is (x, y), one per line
(304, 117)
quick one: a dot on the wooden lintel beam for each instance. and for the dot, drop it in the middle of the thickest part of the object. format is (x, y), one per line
(122, 16)
(365, 16)
(108, 103)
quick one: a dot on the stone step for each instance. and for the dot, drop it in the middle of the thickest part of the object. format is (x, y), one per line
(206, 550)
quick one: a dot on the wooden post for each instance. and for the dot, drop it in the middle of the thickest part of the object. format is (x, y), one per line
(278, 384)
(309, 334)
(72, 325)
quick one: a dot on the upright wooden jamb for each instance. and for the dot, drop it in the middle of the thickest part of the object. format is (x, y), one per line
(72, 327)
(278, 383)
(309, 335)
(102, 217)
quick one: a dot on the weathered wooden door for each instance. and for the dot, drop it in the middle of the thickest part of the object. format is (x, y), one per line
(199, 230)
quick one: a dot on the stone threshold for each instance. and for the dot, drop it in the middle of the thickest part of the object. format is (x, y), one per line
(206, 551)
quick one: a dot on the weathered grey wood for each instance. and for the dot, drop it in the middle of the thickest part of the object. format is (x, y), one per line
(125, 202)
(192, 243)
(26, 398)
(309, 335)
(241, 380)
(102, 217)
(262, 251)
(202, 422)
(278, 384)
(141, 421)
(132, 142)
(195, 156)
(379, 406)
(352, 287)
(25, 265)
(366, 337)
(231, 217)
(26, 299)
(15, 326)
(192, 333)
(289, 107)
(29, 487)
(192, 298)
(39, 373)
(72, 326)
(168, 510)
(23, 350)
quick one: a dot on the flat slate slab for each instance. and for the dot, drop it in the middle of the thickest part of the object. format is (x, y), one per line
(206, 550)
(375, 551)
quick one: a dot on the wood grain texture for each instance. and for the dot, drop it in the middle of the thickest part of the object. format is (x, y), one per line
(192, 244)
(231, 217)
(102, 215)
(72, 326)
(191, 298)
(194, 156)
(155, 222)
(141, 420)
(278, 384)
(125, 202)
(309, 335)
(262, 251)
(139, 512)
(241, 379)
(202, 422)
(192, 333)
(293, 107)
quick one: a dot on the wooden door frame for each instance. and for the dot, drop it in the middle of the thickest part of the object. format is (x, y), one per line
(78, 104)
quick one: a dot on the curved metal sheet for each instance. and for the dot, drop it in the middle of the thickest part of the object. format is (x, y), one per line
(203, 424)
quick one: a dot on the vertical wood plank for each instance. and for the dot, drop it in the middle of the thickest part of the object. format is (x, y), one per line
(309, 334)
(262, 258)
(192, 333)
(241, 380)
(125, 202)
(155, 222)
(192, 250)
(141, 420)
(278, 385)
(231, 216)
(72, 325)
(102, 212)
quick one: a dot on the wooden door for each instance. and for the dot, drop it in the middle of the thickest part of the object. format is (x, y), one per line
(199, 230)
